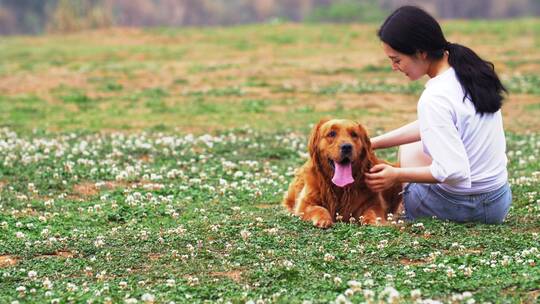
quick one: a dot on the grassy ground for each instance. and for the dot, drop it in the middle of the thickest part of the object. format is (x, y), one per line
(106, 196)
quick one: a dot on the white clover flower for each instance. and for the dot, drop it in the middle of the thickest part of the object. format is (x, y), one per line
(148, 298)
(328, 257)
(123, 284)
(416, 294)
(245, 234)
(20, 235)
(349, 292)
(32, 274)
(72, 287)
(337, 280)
(354, 285)
(368, 294)
(47, 284)
(171, 282)
(21, 289)
(341, 299)
(99, 242)
(391, 294)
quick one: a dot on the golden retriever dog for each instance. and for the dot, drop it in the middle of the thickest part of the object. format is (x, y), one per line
(330, 186)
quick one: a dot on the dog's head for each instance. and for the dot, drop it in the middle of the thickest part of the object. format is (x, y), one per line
(340, 148)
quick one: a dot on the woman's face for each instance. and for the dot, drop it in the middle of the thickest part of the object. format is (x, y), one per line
(413, 67)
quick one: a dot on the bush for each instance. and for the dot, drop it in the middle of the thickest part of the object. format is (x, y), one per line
(348, 11)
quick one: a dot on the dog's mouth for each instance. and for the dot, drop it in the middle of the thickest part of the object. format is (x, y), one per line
(344, 161)
(342, 172)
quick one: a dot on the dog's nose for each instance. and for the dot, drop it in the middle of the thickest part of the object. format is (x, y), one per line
(346, 148)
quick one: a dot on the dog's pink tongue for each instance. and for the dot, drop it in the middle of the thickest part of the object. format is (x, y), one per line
(342, 175)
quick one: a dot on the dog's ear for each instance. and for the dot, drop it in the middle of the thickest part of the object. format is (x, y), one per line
(367, 155)
(315, 137)
(366, 142)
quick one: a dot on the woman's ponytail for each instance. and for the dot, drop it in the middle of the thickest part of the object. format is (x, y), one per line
(480, 83)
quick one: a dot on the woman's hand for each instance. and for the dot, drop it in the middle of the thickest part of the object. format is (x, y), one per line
(381, 177)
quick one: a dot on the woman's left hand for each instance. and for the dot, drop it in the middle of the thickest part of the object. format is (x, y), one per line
(381, 177)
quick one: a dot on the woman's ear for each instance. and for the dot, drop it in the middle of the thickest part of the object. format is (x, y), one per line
(315, 137)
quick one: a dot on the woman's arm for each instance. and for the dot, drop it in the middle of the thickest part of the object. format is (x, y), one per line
(383, 176)
(404, 135)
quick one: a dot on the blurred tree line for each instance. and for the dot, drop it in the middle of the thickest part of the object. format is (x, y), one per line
(38, 16)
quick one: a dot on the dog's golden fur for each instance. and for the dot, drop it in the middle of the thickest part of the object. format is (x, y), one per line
(314, 197)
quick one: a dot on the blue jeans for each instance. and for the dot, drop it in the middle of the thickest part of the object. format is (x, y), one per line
(428, 200)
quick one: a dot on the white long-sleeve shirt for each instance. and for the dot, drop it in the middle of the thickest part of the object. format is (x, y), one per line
(468, 150)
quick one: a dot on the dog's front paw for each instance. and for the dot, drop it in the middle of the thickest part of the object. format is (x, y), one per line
(323, 223)
(319, 216)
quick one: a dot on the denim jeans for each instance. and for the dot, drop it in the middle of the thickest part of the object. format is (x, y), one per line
(429, 200)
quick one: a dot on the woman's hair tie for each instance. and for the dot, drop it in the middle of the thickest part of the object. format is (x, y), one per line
(447, 45)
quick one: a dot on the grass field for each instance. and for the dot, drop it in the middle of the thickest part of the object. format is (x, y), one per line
(147, 166)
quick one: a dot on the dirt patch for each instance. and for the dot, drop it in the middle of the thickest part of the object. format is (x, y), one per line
(145, 158)
(8, 261)
(519, 113)
(86, 189)
(406, 261)
(533, 295)
(265, 206)
(154, 256)
(235, 275)
(63, 254)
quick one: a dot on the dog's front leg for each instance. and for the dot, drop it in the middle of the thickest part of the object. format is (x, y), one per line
(374, 216)
(320, 216)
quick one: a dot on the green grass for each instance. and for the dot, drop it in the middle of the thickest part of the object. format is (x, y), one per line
(140, 165)
(204, 212)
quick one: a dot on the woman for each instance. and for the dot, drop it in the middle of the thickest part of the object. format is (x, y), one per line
(452, 159)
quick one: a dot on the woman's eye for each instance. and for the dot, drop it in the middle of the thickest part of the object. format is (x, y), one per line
(332, 134)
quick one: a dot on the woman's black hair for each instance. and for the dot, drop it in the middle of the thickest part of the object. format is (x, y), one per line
(410, 30)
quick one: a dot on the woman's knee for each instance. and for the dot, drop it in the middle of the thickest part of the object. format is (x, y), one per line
(412, 155)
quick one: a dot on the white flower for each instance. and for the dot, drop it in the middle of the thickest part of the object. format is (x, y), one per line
(341, 299)
(328, 257)
(21, 289)
(19, 235)
(355, 285)
(148, 298)
(47, 284)
(416, 294)
(32, 274)
(245, 234)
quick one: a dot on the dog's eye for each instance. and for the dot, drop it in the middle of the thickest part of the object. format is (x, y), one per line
(353, 134)
(332, 134)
